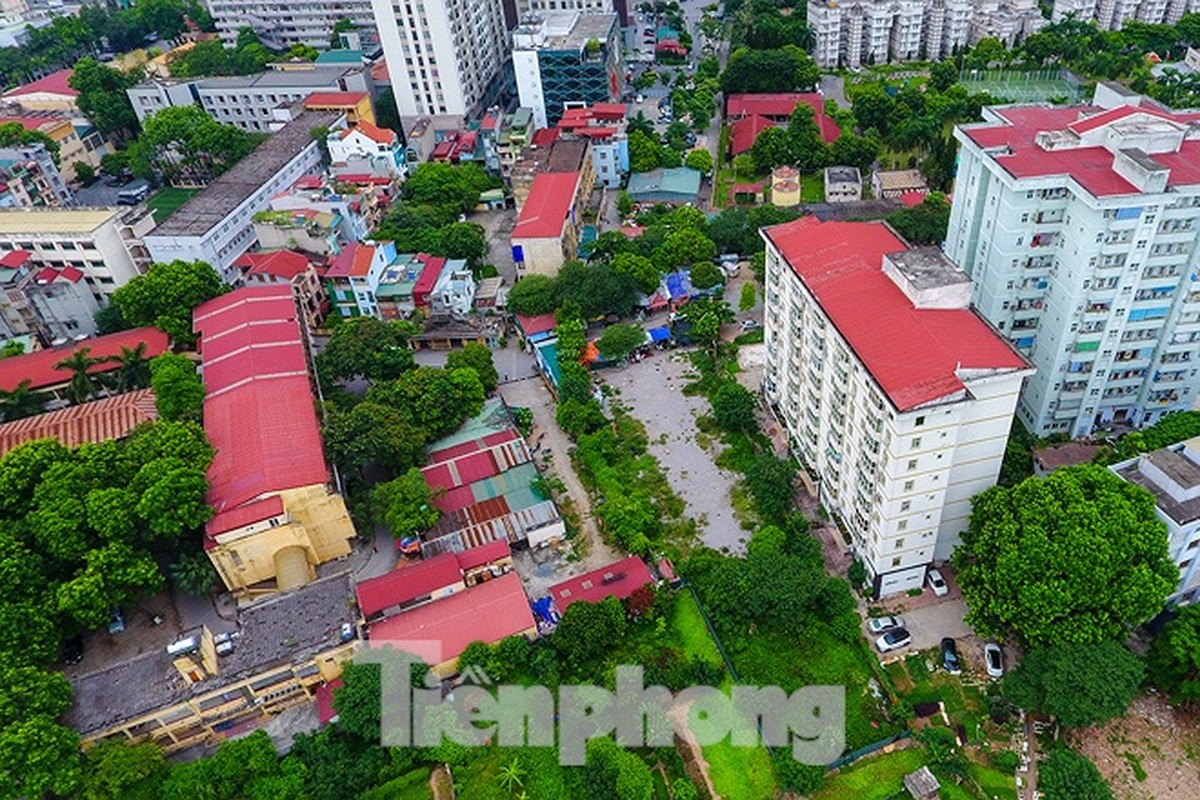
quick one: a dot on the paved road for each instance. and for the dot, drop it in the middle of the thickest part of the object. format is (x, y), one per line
(497, 229)
(834, 88)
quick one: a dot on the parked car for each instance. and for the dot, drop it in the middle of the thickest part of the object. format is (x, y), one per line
(950, 661)
(993, 659)
(893, 640)
(938, 583)
(881, 624)
(116, 621)
(641, 98)
(73, 650)
(749, 325)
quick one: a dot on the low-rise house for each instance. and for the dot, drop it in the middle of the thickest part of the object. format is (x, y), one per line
(1172, 475)
(355, 105)
(548, 229)
(394, 294)
(200, 687)
(77, 139)
(515, 134)
(891, 184)
(88, 423)
(448, 332)
(676, 185)
(307, 229)
(55, 304)
(751, 114)
(277, 515)
(293, 269)
(603, 124)
(619, 579)
(217, 225)
(409, 586)
(843, 185)
(354, 276)
(38, 367)
(553, 154)
(490, 293)
(438, 632)
(454, 291)
(366, 148)
(457, 147)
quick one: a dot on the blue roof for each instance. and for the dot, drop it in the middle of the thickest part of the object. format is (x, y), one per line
(679, 284)
(340, 57)
(659, 334)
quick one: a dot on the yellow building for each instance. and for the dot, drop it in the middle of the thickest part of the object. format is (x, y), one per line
(51, 93)
(355, 105)
(202, 687)
(785, 187)
(277, 516)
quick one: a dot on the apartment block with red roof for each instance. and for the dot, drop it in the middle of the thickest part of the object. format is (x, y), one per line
(290, 268)
(354, 276)
(1078, 228)
(276, 513)
(548, 228)
(892, 389)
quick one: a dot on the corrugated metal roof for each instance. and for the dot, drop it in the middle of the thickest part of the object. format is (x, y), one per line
(97, 421)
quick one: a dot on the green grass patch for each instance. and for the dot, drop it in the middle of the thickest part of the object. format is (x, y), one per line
(874, 777)
(994, 782)
(165, 202)
(740, 773)
(409, 786)
(1135, 764)
(812, 188)
(693, 633)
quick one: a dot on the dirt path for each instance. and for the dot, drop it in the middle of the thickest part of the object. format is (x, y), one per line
(1153, 752)
(679, 716)
(441, 783)
(554, 448)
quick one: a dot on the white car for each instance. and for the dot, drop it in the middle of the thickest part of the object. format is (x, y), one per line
(880, 624)
(893, 640)
(749, 324)
(993, 660)
(938, 583)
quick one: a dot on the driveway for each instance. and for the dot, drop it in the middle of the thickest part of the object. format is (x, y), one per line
(497, 229)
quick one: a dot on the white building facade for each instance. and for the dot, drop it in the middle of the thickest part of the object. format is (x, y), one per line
(878, 31)
(1078, 227)
(281, 25)
(442, 55)
(1113, 14)
(1172, 475)
(892, 391)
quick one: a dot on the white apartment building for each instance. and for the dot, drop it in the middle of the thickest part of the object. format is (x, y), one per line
(1113, 14)
(217, 225)
(442, 55)
(1078, 227)
(1006, 20)
(878, 31)
(249, 102)
(105, 244)
(1172, 475)
(891, 388)
(282, 24)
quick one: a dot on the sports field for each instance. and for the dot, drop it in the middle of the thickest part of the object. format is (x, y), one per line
(1020, 87)
(163, 203)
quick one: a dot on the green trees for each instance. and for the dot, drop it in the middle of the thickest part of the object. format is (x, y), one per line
(707, 275)
(925, 223)
(684, 247)
(186, 142)
(700, 160)
(645, 153)
(1173, 663)
(178, 389)
(1026, 563)
(770, 482)
(733, 407)
(435, 400)
(1078, 684)
(855, 151)
(455, 187)
(1170, 429)
(115, 769)
(614, 773)
(619, 340)
(788, 69)
(405, 504)
(1066, 775)
(166, 295)
(772, 148)
(638, 268)
(479, 358)
(21, 402)
(85, 383)
(587, 630)
(534, 295)
(372, 433)
(365, 347)
(102, 97)
(194, 574)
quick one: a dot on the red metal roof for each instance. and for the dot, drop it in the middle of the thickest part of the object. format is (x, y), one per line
(1018, 152)
(608, 110)
(334, 99)
(455, 499)
(258, 410)
(441, 630)
(483, 555)
(781, 105)
(548, 206)
(38, 367)
(373, 132)
(912, 199)
(544, 137)
(30, 122)
(97, 421)
(240, 517)
(408, 583)
(54, 83)
(323, 697)
(745, 132)
(619, 579)
(538, 324)
(913, 353)
(460, 471)
(461, 449)
(15, 258)
(429, 276)
(286, 264)
(353, 262)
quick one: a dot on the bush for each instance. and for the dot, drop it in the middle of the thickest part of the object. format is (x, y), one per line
(1005, 760)
(733, 407)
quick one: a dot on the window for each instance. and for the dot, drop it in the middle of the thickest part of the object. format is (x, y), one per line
(896, 561)
(912, 464)
(902, 525)
(908, 486)
(900, 543)
(916, 442)
(907, 504)
(919, 421)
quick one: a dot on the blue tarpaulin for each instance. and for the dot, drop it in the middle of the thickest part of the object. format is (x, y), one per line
(659, 334)
(679, 284)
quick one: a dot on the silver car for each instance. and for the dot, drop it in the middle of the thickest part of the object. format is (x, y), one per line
(993, 660)
(938, 583)
(880, 624)
(893, 640)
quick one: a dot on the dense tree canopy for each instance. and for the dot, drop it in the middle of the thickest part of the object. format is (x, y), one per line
(1028, 564)
(925, 223)
(404, 504)
(178, 389)
(479, 358)
(1077, 684)
(365, 347)
(619, 340)
(1066, 775)
(1173, 663)
(186, 143)
(435, 400)
(788, 69)
(454, 187)
(166, 295)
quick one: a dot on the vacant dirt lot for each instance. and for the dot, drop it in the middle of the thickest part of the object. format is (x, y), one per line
(1151, 754)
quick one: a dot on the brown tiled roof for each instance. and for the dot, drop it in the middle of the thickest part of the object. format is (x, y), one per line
(97, 421)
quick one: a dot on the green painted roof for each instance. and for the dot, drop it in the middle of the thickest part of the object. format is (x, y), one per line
(340, 57)
(492, 419)
(675, 181)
